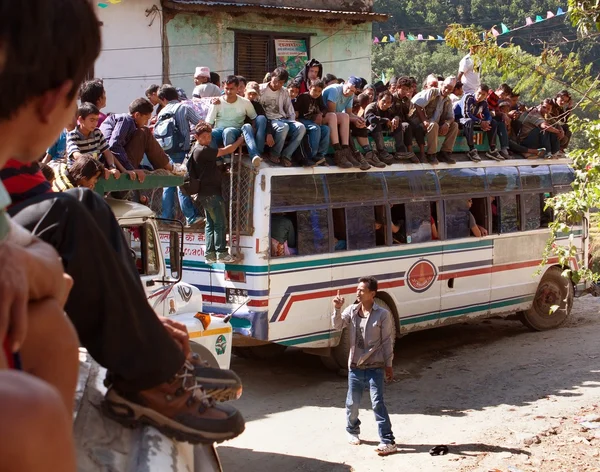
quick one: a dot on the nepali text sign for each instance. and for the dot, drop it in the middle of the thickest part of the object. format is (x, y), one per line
(291, 54)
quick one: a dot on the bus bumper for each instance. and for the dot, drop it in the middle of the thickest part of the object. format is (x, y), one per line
(249, 323)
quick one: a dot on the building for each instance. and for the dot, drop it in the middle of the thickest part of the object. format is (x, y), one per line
(150, 42)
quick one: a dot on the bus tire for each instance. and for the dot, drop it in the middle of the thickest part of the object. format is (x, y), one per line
(204, 354)
(554, 289)
(242, 352)
(266, 351)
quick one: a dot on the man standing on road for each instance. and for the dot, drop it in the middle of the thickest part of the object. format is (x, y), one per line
(371, 355)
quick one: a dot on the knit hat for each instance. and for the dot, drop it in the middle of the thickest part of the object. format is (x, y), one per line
(202, 72)
(355, 81)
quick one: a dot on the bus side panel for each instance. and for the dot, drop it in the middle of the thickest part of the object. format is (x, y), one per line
(516, 260)
(466, 279)
(300, 302)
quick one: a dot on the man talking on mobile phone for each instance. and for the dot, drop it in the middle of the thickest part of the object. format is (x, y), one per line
(371, 355)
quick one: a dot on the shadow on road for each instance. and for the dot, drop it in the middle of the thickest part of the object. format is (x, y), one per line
(447, 371)
(266, 461)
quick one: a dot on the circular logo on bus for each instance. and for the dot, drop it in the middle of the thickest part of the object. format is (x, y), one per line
(421, 276)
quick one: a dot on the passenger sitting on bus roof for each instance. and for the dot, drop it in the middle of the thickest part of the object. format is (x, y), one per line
(557, 114)
(457, 95)
(92, 91)
(338, 101)
(433, 113)
(204, 162)
(283, 236)
(294, 90)
(361, 133)
(312, 70)
(476, 112)
(264, 132)
(536, 132)
(204, 88)
(402, 108)
(228, 114)
(431, 81)
(84, 172)
(330, 79)
(280, 110)
(241, 91)
(59, 149)
(476, 230)
(129, 138)
(527, 153)
(502, 119)
(380, 117)
(310, 111)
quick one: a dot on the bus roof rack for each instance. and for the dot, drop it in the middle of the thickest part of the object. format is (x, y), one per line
(123, 183)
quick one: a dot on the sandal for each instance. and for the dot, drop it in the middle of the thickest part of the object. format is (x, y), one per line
(274, 159)
(541, 152)
(286, 162)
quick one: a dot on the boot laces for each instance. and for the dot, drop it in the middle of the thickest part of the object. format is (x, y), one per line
(190, 384)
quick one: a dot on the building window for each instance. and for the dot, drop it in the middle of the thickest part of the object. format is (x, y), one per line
(255, 53)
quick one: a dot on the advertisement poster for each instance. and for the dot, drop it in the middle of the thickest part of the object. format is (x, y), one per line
(291, 54)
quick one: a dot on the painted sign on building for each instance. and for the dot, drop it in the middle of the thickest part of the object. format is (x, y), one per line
(291, 54)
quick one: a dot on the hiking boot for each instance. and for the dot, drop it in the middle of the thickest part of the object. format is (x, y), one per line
(386, 157)
(494, 154)
(364, 165)
(445, 156)
(306, 163)
(422, 158)
(505, 153)
(352, 157)
(432, 159)
(385, 449)
(179, 408)
(221, 384)
(318, 160)
(372, 159)
(401, 156)
(474, 155)
(226, 258)
(339, 157)
(210, 258)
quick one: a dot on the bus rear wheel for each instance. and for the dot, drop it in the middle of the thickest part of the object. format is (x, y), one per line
(554, 289)
(265, 351)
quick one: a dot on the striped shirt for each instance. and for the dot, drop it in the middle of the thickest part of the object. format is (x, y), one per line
(4, 223)
(23, 181)
(93, 144)
(62, 180)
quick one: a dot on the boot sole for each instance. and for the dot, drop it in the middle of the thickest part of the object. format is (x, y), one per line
(224, 394)
(132, 415)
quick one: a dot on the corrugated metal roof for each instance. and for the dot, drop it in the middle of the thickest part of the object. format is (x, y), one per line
(207, 5)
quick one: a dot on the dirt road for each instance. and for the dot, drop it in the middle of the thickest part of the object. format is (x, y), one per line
(490, 390)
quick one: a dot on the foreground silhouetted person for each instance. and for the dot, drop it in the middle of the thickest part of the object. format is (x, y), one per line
(154, 379)
(370, 360)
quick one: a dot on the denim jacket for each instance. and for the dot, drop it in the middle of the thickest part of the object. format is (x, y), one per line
(379, 334)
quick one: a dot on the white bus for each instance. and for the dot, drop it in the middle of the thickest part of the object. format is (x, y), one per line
(382, 222)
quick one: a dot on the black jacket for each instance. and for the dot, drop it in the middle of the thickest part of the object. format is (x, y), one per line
(302, 76)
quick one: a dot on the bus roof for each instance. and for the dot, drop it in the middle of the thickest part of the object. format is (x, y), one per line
(151, 181)
(127, 209)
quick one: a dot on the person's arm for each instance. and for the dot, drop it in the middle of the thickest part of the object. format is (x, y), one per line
(72, 147)
(212, 115)
(47, 158)
(340, 320)
(468, 109)
(434, 231)
(231, 148)
(387, 344)
(474, 227)
(250, 111)
(191, 115)
(291, 234)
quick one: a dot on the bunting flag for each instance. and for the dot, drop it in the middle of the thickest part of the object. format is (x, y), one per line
(411, 37)
(431, 38)
(505, 28)
(392, 39)
(495, 32)
(538, 18)
(103, 5)
(560, 11)
(440, 38)
(549, 14)
(420, 37)
(376, 40)
(528, 21)
(385, 39)
(114, 2)
(402, 37)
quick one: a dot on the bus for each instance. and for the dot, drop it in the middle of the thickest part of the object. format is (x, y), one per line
(407, 225)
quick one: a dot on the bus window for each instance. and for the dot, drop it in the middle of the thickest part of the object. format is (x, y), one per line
(418, 222)
(503, 179)
(547, 214)
(398, 215)
(457, 218)
(313, 232)
(478, 216)
(505, 214)
(434, 221)
(535, 177)
(464, 180)
(562, 176)
(353, 188)
(380, 225)
(360, 223)
(339, 228)
(532, 210)
(283, 234)
(297, 190)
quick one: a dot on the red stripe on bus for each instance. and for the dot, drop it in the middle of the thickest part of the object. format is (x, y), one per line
(223, 301)
(498, 268)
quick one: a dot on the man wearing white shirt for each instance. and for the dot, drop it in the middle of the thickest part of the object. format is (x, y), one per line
(468, 73)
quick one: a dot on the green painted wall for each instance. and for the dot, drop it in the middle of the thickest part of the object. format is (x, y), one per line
(195, 39)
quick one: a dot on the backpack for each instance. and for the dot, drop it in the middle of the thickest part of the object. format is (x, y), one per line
(166, 132)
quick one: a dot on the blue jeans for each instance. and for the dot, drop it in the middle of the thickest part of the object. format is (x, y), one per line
(502, 134)
(282, 129)
(168, 197)
(225, 136)
(538, 138)
(261, 133)
(318, 136)
(216, 239)
(358, 380)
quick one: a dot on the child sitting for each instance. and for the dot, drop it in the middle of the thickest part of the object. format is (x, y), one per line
(264, 132)
(87, 138)
(84, 172)
(310, 111)
(59, 149)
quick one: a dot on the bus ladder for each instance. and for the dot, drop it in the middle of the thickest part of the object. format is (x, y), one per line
(234, 207)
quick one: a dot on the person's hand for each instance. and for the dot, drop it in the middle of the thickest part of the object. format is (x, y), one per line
(238, 142)
(485, 125)
(426, 125)
(484, 231)
(444, 129)
(131, 174)
(141, 175)
(179, 333)
(338, 302)
(115, 173)
(513, 114)
(394, 124)
(319, 120)
(215, 101)
(389, 374)
(14, 295)
(360, 123)
(270, 141)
